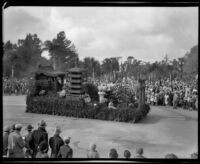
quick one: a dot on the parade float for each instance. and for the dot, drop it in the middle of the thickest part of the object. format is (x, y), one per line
(68, 94)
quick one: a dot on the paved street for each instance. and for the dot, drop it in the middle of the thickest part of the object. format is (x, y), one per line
(164, 130)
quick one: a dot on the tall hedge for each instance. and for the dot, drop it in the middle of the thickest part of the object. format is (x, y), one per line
(61, 106)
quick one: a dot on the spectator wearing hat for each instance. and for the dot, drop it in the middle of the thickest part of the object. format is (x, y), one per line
(171, 156)
(127, 154)
(29, 151)
(113, 153)
(6, 133)
(42, 150)
(56, 142)
(38, 136)
(16, 143)
(139, 153)
(65, 150)
(93, 153)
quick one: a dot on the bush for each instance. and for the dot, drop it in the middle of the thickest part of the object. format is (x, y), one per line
(60, 106)
(92, 90)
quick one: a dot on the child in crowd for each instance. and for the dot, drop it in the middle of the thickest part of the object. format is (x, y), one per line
(113, 153)
(93, 153)
(139, 153)
(127, 154)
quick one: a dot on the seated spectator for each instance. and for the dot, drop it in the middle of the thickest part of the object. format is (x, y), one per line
(111, 105)
(93, 153)
(113, 153)
(65, 150)
(139, 153)
(42, 150)
(127, 154)
(171, 156)
(87, 98)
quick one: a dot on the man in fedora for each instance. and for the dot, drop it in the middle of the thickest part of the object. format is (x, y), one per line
(38, 136)
(56, 142)
(29, 151)
(16, 143)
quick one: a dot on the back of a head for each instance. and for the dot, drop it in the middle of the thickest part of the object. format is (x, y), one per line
(171, 156)
(42, 124)
(58, 130)
(113, 153)
(93, 146)
(139, 151)
(67, 140)
(127, 154)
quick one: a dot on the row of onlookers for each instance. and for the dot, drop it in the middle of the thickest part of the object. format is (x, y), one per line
(174, 93)
(36, 144)
(15, 86)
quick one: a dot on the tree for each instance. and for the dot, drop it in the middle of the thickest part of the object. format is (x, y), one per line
(190, 65)
(62, 52)
(9, 46)
(92, 67)
(23, 56)
(12, 63)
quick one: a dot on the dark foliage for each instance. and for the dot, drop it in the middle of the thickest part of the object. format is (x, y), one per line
(55, 105)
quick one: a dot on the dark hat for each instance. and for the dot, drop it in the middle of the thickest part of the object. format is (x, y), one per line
(42, 123)
(29, 127)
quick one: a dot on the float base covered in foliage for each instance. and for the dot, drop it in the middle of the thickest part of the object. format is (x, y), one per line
(62, 107)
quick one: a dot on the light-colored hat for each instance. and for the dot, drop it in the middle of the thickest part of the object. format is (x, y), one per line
(29, 127)
(7, 129)
(18, 126)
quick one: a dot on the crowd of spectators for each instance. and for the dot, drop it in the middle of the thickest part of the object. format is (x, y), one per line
(164, 92)
(15, 86)
(176, 93)
(37, 144)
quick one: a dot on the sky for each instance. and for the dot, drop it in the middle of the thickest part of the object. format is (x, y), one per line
(146, 33)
